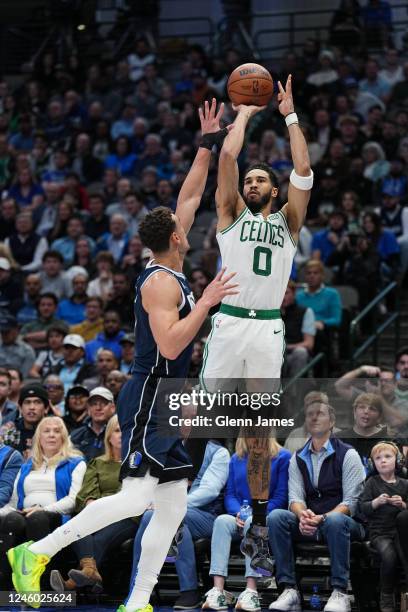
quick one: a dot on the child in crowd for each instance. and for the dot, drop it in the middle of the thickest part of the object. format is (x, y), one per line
(384, 504)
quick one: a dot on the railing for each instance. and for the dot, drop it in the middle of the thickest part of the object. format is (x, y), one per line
(372, 340)
(320, 357)
(297, 23)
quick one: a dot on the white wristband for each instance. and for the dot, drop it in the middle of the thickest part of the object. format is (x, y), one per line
(291, 118)
(305, 183)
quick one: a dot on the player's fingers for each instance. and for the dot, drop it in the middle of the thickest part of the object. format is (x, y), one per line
(201, 114)
(289, 85)
(230, 286)
(213, 107)
(206, 109)
(235, 107)
(230, 127)
(231, 293)
(220, 274)
(228, 277)
(220, 111)
(281, 90)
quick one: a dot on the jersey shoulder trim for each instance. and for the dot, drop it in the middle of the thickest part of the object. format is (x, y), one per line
(161, 269)
(227, 229)
(287, 228)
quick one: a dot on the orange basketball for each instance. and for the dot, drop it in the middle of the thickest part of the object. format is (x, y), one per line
(250, 84)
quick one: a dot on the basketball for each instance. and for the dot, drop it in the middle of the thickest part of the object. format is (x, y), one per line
(250, 84)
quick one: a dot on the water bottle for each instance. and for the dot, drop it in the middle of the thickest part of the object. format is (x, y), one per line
(245, 510)
(315, 601)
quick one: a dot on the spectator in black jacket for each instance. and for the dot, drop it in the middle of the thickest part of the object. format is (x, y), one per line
(25, 245)
(76, 407)
(34, 404)
(89, 438)
(300, 332)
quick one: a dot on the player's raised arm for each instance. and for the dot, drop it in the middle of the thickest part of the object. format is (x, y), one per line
(161, 298)
(228, 199)
(301, 178)
(193, 187)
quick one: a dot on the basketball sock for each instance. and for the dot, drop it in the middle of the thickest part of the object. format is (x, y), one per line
(132, 500)
(259, 508)
(170, 505)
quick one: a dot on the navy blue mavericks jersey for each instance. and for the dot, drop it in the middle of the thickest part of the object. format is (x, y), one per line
(144, 445)
(148, 359)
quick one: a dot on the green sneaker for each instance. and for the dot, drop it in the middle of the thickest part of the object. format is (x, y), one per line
(148, 608)
(27, 570)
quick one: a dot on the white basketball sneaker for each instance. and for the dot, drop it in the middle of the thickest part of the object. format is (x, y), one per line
(249, 601)
(288, 601)
(338, 602)
(218, 600)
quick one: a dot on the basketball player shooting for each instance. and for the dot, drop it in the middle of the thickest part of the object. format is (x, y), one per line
(247, 337)
(154, 468)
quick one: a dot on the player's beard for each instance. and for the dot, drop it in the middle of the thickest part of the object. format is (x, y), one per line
(256, 206)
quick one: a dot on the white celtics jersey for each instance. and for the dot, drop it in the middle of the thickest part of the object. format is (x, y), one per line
(261, 252)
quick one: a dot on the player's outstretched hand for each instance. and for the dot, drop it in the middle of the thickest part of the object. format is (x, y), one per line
(249, 109)
(209, 118)
(214, 293)
(285, 97)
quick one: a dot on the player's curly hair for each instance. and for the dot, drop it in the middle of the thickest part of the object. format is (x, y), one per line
(262, 166)
(156, 228)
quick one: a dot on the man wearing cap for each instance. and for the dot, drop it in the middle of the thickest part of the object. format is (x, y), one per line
(34, 404)
(108, 339)
(127, 342)
(89, 438)
(11, 290)
(350, 135)
(73, 368)
(13, 351)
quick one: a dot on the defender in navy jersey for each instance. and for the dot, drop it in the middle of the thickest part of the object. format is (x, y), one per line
(166, 324)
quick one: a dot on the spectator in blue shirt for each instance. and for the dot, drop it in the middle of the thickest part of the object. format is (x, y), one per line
(25, 191)
(229, 527)
(324, 301)
(325, 241)
(386, 245)
(204, 503)
(10, 463)
(23, 140)
(72, 310)
(117, 239)
(373, 83)
(59, 170)
(122, 160)
(8, 409)
(66, 245)
(108, 339)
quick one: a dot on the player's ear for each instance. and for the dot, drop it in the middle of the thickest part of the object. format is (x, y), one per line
(275, 191)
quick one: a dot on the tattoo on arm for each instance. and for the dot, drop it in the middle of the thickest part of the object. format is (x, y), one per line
(259, 469)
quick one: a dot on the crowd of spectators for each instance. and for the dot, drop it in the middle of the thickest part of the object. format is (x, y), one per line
(86, 150)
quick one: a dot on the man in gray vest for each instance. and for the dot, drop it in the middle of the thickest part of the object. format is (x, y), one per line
(326, 477)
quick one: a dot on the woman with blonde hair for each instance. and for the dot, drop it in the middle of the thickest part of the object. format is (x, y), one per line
(45, 487)
(101, 479)
(230, 527)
